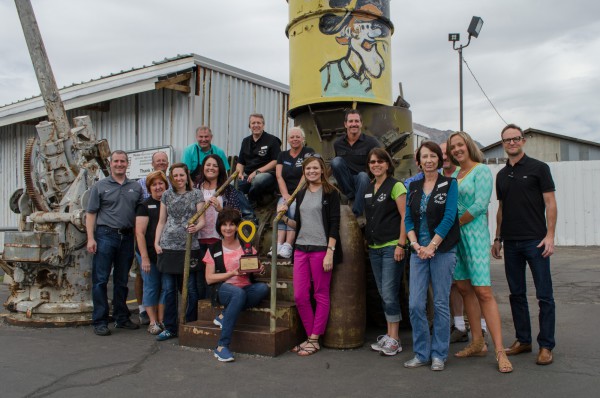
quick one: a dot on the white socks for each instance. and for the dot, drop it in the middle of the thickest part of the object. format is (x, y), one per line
(459, 323)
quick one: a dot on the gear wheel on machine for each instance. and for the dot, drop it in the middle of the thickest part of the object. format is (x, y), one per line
(32, 152)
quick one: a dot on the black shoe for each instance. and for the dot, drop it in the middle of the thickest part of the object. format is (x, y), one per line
(127, 325)
(144, 318)
(101, 330)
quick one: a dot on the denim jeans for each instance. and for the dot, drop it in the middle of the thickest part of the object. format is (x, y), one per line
(201, 286)
(236, 299)
(153, 292)
(263, 182)
(437, 271)
(290, 214)
(388, 274)
(353, 186)
(172, 285)
(112, 250)
(517, 254)
(245, 206)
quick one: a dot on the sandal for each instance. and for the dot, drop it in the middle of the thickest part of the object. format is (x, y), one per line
(299, 347)
(309, 348)
(504, 365)
(476, 348)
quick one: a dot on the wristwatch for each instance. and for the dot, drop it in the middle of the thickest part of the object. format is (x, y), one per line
(498, 239)
(257, 171)
(332, 248)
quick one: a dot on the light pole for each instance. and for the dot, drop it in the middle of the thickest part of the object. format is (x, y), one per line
(474, 29)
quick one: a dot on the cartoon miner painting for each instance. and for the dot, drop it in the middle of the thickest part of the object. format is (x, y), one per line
(359, 30)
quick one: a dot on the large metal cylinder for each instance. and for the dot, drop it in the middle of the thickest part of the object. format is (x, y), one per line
(347, 314)
(339, 52)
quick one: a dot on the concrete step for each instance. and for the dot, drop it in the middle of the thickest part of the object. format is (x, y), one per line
(250, 339)
(285, 287)
(285, 313)
(285, 267)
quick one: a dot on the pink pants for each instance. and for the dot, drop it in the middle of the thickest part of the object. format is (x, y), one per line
(309, 266)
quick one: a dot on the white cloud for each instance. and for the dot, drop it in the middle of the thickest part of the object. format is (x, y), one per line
(537, 60)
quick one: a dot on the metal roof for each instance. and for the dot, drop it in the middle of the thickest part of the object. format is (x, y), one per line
(542, 132)
(123, 83)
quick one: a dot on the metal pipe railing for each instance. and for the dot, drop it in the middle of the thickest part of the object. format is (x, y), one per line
(188, 248)
(273, 308)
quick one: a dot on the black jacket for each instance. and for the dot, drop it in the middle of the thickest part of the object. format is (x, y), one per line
(331, 219)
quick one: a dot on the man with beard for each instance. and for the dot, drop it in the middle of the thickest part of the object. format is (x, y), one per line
(526, 222)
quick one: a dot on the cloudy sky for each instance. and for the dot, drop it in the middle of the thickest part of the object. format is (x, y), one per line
(537, 60)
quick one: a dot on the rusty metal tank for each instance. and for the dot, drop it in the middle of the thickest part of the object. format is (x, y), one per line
(340, 58)
(339, 51)
(347, 321)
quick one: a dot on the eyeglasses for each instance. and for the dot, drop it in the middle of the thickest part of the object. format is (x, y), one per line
(513, 139)
(378, 161)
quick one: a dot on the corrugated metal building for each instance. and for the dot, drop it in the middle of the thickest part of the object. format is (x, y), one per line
(547, 147)
(156, 105)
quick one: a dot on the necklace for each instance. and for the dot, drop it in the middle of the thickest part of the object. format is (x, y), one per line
(463, 172)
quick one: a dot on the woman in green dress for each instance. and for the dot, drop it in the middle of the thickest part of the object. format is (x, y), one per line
(472, 272)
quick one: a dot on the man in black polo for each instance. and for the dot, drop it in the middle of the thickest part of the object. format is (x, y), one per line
(350, 163)
(109, 222)
(526, 223)
(257, 160)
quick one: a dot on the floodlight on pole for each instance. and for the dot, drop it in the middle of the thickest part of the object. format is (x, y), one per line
(473, 31)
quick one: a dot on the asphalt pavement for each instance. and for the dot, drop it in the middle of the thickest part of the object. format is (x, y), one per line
(73, 362)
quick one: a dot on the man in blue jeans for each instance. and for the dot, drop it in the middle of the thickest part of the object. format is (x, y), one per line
(526, 223)
(256, 162)
(349, 166)
(109, 222)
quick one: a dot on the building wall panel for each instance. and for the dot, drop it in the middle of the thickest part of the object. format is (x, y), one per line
(576, 193)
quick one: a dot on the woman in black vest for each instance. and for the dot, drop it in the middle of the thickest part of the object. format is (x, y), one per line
(385, 204)
(236, 291)
(146, 220)
(433, 231)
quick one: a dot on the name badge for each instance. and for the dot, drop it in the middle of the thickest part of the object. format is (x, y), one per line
(443, 184)
(217, 254)
(152, 206)
(264, 147)
(369, 195)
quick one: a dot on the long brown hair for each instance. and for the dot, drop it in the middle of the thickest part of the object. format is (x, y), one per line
(188, 185)
(474, 152)
(327, 186)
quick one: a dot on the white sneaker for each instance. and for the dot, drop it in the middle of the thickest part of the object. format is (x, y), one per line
(286, 250)
(391, 347)
(154, 329)
(378, 345)
(270, 253)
